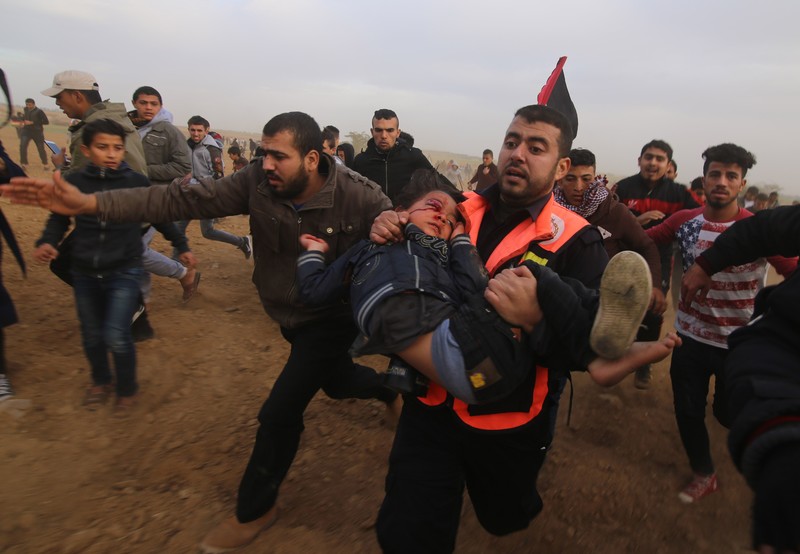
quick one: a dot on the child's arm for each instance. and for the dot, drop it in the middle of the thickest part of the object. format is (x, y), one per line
(317, 284)
(466, 266)
(54, 230)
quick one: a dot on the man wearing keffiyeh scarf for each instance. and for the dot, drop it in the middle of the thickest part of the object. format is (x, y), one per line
(584, 193)
(593, 196)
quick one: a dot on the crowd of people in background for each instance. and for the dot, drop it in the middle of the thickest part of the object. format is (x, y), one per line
(480, 412)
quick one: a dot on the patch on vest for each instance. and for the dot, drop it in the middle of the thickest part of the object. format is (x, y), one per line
(483, 374)
(530, 256)
(558, 227)
(603, 233)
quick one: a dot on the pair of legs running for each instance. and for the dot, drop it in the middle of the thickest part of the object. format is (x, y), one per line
(209, 232)
(476, 356)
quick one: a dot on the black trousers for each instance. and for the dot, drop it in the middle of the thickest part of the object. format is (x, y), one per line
(318, 360)
(434, 457)
(691, 369)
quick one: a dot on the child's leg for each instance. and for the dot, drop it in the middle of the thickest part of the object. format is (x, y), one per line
(610, 372)
(568, 309)
(122, 299)
(91, 306)
(588, 324)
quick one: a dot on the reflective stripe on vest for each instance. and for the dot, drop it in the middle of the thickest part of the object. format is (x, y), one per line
(554, 227)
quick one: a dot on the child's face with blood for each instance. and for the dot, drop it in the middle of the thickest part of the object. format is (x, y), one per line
(434, 213)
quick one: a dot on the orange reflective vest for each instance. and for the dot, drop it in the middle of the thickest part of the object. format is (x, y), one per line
(537, 241)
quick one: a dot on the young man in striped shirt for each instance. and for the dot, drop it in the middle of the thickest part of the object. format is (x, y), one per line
(704, 325)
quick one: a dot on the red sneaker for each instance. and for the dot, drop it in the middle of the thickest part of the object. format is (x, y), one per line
(701, 486)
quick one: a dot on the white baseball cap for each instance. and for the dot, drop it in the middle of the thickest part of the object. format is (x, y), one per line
(71, 79)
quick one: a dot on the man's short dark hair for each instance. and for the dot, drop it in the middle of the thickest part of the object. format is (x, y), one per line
(30, 100)
(306, 132)
(328, 136)
(424, 181)
(660, 145)
(729, 153)
(674, 165)
(385, 113)
(536, 113)
(198, 120)
(488, 152)
(149, 91)
(696, 184)
(332, 129)
(235, 150)
(581, 156)
(105, 126)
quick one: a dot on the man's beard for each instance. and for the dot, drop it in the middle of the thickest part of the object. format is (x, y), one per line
(293, 188)
(719, 204)
(518, 198)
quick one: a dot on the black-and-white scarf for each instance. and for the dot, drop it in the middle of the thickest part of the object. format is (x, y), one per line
(592, 198)
(435, 244)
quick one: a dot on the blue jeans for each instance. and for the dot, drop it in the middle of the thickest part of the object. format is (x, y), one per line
(209, 232)
(158, 264)
(105, 308)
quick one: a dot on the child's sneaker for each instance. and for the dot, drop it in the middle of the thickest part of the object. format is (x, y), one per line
(701, 485)
(625, 291)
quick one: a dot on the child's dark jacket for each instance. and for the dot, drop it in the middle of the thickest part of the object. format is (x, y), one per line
(99, 247)
(373, 273)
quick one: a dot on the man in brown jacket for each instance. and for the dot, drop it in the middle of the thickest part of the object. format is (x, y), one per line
(581, 192)
(295, 189)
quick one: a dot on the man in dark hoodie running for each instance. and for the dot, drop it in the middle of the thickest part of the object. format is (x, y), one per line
(389, 160)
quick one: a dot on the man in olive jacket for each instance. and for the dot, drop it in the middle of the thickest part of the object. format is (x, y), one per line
(78, 95)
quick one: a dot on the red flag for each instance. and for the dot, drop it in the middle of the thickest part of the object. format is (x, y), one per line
(554, 94)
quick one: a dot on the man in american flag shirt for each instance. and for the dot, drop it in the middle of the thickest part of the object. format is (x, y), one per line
(705, 325)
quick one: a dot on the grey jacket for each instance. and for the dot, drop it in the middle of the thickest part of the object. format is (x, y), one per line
(115, 111)
(341, 212)
(202, 157)
(165, 149)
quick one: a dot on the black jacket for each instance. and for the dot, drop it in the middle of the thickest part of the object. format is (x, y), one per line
(99, 247)
(391, 170)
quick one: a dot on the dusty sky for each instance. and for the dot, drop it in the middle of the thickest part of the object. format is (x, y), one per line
(694, 73)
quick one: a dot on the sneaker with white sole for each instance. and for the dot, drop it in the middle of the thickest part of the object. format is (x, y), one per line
(139, 311)
(247, 246)
(701, 485)
(625, 291)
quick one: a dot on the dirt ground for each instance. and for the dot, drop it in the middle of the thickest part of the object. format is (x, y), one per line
(75, 481)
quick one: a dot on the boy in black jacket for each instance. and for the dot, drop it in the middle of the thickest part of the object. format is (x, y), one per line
(106, 265)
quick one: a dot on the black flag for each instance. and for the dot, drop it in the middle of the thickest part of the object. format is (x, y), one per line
(554, 94)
